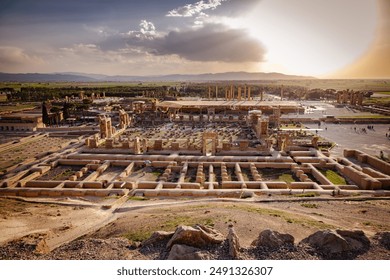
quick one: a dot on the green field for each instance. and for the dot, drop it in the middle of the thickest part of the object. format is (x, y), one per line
(340, 84)
(377, 100)
(364, 117)
(17, 86)
(379, 86)
(333, 176)
(9, 108)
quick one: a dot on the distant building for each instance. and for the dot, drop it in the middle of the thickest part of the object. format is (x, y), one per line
(21, 122)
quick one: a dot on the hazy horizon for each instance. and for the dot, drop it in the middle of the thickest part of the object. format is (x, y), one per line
(323, 39)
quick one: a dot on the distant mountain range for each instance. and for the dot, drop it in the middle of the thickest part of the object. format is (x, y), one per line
(82, 77)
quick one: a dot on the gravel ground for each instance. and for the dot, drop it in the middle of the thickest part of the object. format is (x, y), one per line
(122, 249)
(120, 239)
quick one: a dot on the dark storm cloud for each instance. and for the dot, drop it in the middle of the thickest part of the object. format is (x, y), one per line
(212, 42)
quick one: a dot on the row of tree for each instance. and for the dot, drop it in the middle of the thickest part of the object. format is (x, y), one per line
(28, 94)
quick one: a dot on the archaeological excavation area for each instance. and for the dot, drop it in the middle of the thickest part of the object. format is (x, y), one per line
(138, 175)
(232, 148)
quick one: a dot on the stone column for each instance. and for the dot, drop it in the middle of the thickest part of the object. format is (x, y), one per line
(264, 127)
(360, 98)
(345, 97)
(137, 146)
(338, 95)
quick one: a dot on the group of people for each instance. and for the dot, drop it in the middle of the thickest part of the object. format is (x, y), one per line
(388, 134)
(358, 130)
(364, 130)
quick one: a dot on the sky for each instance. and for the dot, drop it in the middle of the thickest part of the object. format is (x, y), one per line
(321, 38)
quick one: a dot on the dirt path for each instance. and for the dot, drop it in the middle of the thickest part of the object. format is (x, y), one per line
(61, 221)
(58, 222)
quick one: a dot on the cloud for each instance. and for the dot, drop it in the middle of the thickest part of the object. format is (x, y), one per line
(81, 49)
(147, 27)
(208, 43)
(196, 9)
(11, 57)
(112, 40)
(235, 8)
(147, 30)
(212, 42)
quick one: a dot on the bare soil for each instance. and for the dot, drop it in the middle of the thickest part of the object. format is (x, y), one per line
(90, 228)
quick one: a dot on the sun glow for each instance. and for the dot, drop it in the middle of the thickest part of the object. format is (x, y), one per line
(310, 37)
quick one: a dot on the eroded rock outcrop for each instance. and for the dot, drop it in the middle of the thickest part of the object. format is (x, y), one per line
(198, 236)
(273, 239)
(337, 241)
(156, 237)
(234, 243)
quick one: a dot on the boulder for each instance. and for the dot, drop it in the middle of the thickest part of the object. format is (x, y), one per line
(247, 194)
(234, 242)
(337, 241)
(36, 243)
(184, 252)
(198, 236)
(273, 239)
(356, 239)
(42, 247)
(156, 237)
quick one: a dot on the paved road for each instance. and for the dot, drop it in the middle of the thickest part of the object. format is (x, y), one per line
(346, 137)
(317, 109)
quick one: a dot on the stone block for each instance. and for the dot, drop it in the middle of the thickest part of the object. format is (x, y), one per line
(226, 146)
(244, 145)
(110, 143)
(72, 178)
(175, 146)
(158, 145)
(362, 158)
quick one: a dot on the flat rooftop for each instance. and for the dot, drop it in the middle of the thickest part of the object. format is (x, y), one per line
(224, 103)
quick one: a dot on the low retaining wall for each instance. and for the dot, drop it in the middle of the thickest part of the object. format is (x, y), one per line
(361, 179)
(178, 158)
(380, 165)
(305, 186)
(38, 192)
(307, 159)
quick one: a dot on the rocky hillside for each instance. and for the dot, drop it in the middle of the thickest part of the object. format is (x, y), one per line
(201, 242)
